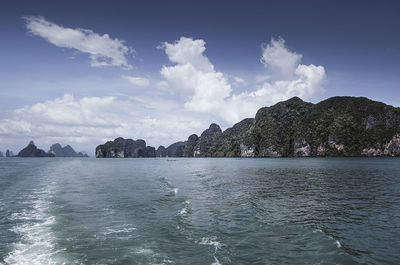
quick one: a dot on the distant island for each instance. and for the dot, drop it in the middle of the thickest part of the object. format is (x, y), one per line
(335, 127)
(56, 150)
(67, 151)
(8, 153)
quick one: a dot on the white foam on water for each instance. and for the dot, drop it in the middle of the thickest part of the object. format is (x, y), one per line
(144, 251)
(185, 209)
(317, 231)
(216, 261)
(156, 258)
(33, 226)
(164, 262)
(338, 244)
(211, 241)
(176, 190)
(120, 230)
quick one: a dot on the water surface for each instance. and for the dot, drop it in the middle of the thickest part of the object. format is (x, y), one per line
(199, 211)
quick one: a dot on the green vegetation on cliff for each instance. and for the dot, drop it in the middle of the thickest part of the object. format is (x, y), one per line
(338, 126)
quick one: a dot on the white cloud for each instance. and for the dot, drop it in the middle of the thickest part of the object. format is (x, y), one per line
(194, 76)
(89, 121)
(279, 60)
(307, 83)
(137, 81)
(239, 80)
(102, 50)
(208, 91)
(262, 78)
(188, 51)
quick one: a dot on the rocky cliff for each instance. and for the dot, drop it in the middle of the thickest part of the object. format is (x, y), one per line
(175, 149)
(338, 126)
(161, 151)
(32, 151)
(121, 147)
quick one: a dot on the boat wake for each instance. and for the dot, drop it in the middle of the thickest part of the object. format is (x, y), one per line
(33, 225)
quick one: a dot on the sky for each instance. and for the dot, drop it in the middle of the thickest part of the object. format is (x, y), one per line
(85, 72)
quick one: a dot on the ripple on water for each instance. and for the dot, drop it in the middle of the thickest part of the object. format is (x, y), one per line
(226, 211)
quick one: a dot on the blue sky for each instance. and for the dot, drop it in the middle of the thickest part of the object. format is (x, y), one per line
(167, 69)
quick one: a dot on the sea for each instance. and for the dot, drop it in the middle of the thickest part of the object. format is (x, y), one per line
(199, 211)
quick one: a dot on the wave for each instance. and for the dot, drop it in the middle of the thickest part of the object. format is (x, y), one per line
(211, 241)
(124, 229)
(337, 242)
(185, 208)
(216, 261)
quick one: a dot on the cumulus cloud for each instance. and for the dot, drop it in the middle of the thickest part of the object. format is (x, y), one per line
(102, 50)
(207, 90)
(194, 76)
(307, 82)
(137, 81)
(280, 60)
(89, 121)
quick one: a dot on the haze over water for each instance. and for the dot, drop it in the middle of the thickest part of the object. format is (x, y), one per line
(199, 211)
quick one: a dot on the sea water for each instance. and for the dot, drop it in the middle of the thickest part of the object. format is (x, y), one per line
(199, 211)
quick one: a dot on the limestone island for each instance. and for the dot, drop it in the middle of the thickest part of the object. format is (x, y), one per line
(335, 127)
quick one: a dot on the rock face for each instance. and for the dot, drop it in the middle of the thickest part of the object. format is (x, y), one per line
(121, 147)
(9, 153)
(338, 126)
(150, 152)
(235, 141)
(208, 142)
(175, 149)
(161, 151)
(392, 148)
(247, 151)
(67, 151)
(215, 143)
(190, 145)
(32, 151)
(301, 148)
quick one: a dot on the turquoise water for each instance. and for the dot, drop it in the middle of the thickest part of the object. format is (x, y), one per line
(199, 211)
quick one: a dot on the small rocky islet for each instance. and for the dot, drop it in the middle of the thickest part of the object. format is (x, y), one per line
(56, 150)
(8, 153)
(335, 127)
